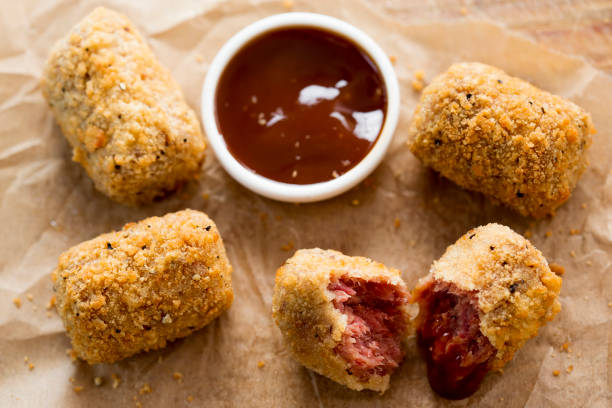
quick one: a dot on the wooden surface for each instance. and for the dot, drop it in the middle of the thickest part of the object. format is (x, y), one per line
(578, 27)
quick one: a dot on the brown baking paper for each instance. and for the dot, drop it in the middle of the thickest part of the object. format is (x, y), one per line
(403, 215)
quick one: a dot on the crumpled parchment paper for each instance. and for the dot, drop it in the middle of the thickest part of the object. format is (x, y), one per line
(403, 215)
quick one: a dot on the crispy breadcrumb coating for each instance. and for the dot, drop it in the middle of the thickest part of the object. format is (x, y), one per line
(516, 290)
(312, 328)
(121, 111)
(500, 136)
(138, 288)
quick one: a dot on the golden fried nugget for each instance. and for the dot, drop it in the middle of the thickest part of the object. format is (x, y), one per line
(343, 317)
(500, 136)
(489, 293)
(121, 111)
(136, 289)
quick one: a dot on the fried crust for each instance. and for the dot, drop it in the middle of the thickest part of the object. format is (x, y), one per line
(500, 136)
(138, 288)
(123, 114)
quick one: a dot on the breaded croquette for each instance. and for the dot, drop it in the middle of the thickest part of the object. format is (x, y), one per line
(500, 136)
(121, 111)
(138, 288)
(343, 317)
(483, 299)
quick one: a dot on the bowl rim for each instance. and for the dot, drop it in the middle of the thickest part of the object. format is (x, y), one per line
(299, 193)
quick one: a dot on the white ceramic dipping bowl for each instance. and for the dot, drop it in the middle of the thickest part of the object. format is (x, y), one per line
(299, 193)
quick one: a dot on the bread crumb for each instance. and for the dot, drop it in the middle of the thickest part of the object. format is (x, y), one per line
(548, 234)
(30, 297)
(261, 364)
(71, 380)
(72, 354)
(589, 263)
(98, 381)
(17, 302)
(205, 196)
(419, 75)
(417, 85)
(396, 223)
(78, 388)
(116, 380)
(463, 11)
(609, 304)
(528, 234)
(189, 398)
(570, 368)
(572, 253)
(177, 376)
(145, 389)
(199, 58)
(556, 373)
(574, 231)
(556, 268)
(26, 358)
(288, 4)
(287, 247)
(393, 59)
(51, 302)
(355, 203)
(412, 242)
(565, 347)
(583, 206)
(30, 366)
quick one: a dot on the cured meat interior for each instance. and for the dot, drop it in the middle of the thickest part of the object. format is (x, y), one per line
(371, 343)
(458, 355)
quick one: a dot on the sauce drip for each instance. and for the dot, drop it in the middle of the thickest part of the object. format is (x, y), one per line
(300, 105)
(458, 355)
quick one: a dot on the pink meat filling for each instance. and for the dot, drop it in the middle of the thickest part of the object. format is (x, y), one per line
(371, 342)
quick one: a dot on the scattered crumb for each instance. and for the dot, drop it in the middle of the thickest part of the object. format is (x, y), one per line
(287, 247)
(463, 11)
(145, 389)
(419, 75)
(98, 381)
(548, 234)
(53, 223)
(556, 268)
(589, 263)
(116, 380)
(261, 364)
(417, 85)
(574, 231)
(412, 242)
(189, 398)
(393, 59)
(583, 206)
(51, 302)
(573, 253)
(26, 359)
(288, 4)
(528, 234)
(78, 388)
(556, 373)
(355, 203)
(335, 174)
(565, 347)
(396, 223)
(30, 297)
(34, 308)
(609, 304)
(71, 379)
(570, 369)
(199, 58)
(30, 366)
(177, 376)
(48, 315)
(17, 302)
(205, 196)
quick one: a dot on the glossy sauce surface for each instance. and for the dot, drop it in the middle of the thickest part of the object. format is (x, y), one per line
(300, 105)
